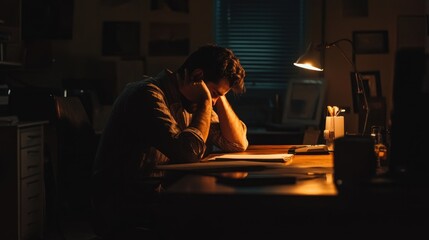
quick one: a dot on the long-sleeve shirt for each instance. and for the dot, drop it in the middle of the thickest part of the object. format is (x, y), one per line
(149, 126)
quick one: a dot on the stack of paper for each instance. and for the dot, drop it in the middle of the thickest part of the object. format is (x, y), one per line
(276, 157)
(233, 161)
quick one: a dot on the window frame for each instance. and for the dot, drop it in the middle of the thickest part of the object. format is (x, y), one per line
(268, 61)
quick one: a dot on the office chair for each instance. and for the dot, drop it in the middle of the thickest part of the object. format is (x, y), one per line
(76, 141)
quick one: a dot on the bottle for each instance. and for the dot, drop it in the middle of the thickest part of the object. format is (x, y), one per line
(380, 148)
(329, 136)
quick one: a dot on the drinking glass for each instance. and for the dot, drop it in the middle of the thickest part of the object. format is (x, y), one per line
(379, 136)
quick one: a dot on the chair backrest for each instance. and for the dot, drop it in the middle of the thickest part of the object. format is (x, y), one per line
(76, 151)
(71, 110)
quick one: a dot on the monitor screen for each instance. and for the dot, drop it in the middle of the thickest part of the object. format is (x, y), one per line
(409, 120)
(304, 102)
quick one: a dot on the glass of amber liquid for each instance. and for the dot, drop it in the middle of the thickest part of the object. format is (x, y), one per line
(380, 147)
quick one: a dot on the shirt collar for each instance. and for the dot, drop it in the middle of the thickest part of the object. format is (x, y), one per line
(169, 84)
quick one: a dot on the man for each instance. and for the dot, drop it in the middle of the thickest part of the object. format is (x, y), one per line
(175, 117)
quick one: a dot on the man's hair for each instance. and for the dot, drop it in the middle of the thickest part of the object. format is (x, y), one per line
(217, 63)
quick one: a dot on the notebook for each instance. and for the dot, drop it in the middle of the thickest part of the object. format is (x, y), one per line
(309, 149)
(233, 162)
(275, 157)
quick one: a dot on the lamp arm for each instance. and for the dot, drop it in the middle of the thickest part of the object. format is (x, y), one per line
(358, 76)
(365, 105)
(352, 62)
(307, 61)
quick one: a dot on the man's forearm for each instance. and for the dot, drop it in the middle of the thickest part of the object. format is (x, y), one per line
(201, 118)
(230, 125)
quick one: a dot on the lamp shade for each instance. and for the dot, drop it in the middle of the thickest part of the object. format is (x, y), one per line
(310, 59)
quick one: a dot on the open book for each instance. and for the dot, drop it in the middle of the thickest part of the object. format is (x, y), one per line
(275, 157)
(229, 162)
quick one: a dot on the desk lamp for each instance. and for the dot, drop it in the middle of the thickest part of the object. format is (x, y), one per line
(311, 60)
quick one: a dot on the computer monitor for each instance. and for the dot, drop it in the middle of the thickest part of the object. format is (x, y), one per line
(409, 119)
(304, 103)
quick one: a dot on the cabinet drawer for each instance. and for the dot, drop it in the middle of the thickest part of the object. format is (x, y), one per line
(31, 224)
(31, 187)
(30, 137)
(31, 194)
(31, 161)
(32, 205)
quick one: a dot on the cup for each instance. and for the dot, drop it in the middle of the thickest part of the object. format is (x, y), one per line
(380, 139)
(334, 128)
(335, 124)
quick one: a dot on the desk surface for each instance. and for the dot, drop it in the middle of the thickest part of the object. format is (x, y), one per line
(197, 206)
(313, 173)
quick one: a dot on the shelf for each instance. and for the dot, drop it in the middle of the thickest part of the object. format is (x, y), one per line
(10, 63)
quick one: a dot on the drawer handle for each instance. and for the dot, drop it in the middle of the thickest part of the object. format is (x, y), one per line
(31, 182)
(32, 212)
(33, 136)
(31, 223)
(32, 166)
(33, 197)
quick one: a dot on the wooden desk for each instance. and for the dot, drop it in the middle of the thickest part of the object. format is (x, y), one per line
(197, 207)
(314, 173)
(236, 212)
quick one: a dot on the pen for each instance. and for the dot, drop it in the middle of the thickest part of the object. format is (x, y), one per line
(300, 146)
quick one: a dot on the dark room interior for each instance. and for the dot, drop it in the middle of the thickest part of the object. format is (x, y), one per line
(63, 64)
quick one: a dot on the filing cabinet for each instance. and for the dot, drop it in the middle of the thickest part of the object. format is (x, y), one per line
(22, 195)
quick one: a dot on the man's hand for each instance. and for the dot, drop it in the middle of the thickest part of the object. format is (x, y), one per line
(195, 91)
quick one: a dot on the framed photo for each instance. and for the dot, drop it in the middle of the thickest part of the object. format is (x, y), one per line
(303, 102)
(370, 42)
(371, 84)
(169, 39)
(121, 38)
(170, 5)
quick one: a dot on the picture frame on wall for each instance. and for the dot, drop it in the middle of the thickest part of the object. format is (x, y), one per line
(371, 83)
(170, 5)
(169, 39)
(370, 42)
(121, 38)
(303, 102)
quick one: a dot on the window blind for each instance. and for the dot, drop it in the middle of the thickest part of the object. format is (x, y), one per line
(267, 36)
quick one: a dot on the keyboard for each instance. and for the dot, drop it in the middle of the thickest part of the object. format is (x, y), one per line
(309, 149)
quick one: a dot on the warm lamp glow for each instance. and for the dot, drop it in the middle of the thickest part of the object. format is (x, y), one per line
(307, 65)
(310, 59)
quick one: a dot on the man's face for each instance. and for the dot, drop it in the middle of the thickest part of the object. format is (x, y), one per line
(218, 89)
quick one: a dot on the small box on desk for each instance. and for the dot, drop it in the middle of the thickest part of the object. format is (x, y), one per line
(354, 161)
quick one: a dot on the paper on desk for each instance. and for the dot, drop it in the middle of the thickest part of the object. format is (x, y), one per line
(218, 165)
(233, 161)
(275, 157)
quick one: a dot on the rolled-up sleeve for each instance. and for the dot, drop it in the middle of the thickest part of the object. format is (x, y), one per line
(191, 145)
(225, 145)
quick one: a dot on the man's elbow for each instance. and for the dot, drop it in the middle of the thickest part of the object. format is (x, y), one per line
(241, 147)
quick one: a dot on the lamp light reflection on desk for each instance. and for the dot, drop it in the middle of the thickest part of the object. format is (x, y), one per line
(237, 175)
(313, 187)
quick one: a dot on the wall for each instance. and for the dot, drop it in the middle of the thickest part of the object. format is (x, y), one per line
(88, 18)
(382, 15)
(79, 62)
(80, 59)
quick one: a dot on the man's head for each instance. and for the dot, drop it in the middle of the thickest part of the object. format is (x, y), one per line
(217, 63)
